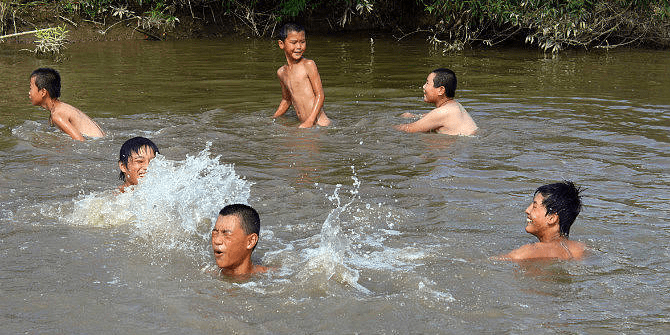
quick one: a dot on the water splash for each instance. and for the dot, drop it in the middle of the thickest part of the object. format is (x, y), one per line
(329, 259)
(177, 198)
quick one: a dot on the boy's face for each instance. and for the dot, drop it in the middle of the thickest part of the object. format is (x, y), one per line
(36, 95)
(294, 45)
(137, 165)
(537, 220)
(231, 245)
(430, 92)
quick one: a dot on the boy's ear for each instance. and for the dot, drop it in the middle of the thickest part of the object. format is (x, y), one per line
(123, 168)
(252, 239)
(281, 44)
(553, 218)
(441, 90)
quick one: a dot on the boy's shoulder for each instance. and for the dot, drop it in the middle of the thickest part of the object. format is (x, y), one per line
(63, 109)
(451, 107)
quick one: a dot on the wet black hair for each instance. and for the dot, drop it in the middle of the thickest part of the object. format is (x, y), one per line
(249, 219)
(289, 27)
(49, 79)
(563, 199)
(446, 78)
(131, 146)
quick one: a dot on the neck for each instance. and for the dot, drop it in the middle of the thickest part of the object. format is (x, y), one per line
(50, 104)
(443, 101)
(291, 61)
(246, 267)
(552, 237)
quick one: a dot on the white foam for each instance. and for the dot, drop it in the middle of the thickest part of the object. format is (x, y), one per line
(179, 198)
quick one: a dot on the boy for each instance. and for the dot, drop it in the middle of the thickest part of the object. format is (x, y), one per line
(234, 238)
(300, 80)
(45, 91)
(134, 158)
(549, 217)
(448, 117)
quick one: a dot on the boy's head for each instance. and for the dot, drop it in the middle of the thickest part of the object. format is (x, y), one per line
(49, 79)
(134, 157)
(446, 78)
(563, 199)
(235, 235)
(288, 28)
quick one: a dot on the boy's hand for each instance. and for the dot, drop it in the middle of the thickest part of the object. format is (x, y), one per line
(306, 124)
(408, 115)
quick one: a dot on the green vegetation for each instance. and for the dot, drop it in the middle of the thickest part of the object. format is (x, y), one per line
(551, 25)
(50, 41)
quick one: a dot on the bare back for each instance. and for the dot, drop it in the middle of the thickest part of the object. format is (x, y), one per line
(455, 120)
(301, 84)
(563, 249)
(450, 119)
(74, 122)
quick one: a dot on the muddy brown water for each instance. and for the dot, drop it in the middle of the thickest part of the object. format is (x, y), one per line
(370, 230)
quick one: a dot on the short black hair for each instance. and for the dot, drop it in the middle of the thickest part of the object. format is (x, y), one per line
(446, 78)
(251, 222)
(131, 146)
(249, 219)
(289, 27)
(564, 199)
(49, 79)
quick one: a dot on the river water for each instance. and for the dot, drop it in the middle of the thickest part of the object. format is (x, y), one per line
(369, 230)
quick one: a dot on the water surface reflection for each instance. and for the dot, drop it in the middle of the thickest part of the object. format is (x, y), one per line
(372, 230)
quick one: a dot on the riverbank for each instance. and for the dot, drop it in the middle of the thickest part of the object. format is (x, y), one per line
(450, 25)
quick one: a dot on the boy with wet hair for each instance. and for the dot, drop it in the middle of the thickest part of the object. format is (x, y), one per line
(134, 158)
(299, 79)
(549, 217)
(45, 92)
(449, 117)
(234, 238)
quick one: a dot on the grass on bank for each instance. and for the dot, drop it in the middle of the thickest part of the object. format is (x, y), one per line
(551, 25)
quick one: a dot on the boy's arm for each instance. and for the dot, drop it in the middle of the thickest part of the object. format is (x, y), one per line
(66, 126)
(285, 102)
(319, 96)
(428, 122)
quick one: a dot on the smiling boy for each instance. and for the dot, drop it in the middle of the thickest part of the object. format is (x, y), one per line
(549, 217)
(45, 92)
(449, 117)
(134, 158)
(300, 80)
(234, 238)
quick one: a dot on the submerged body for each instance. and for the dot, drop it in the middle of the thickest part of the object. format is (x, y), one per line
(449, 117)
(300, 83)
(234, 238)
(67, 118)
(549, 217)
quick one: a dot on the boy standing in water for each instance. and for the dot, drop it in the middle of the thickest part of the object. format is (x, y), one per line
(234, 238)
(549, 217)
(134, 158)
(449, 117)
(300, 80)
(45, 92)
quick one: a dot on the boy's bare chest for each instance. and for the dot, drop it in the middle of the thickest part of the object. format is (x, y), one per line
(295, 75)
